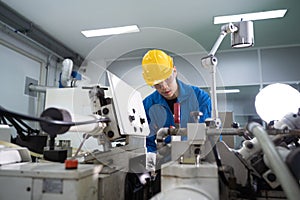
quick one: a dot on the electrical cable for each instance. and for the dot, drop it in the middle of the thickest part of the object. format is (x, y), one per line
(29, 129)
(18, 128)
(49, 121)
(3, 120)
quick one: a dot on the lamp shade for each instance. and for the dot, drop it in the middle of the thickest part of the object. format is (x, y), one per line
(244, 36)
(274, 101)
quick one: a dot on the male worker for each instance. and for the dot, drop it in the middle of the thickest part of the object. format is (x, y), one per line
(159, 72)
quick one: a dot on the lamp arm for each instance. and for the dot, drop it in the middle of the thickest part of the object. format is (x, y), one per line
(211, 62)
(225, 29)
(217, 43)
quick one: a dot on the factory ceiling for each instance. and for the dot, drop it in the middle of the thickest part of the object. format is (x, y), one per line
(163, 24)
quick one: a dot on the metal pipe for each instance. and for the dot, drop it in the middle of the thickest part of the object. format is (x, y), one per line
(285, 177)
(215, 113)
(11, 31)
(66, 72)
(38, 88)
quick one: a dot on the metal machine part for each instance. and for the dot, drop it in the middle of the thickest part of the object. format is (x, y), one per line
(22, 179)
(126, 117)
(189, 181)
(261, 163)
(120, 137)
(264, 167)
(120, 141)
(191, 172)
(13, 155)
(288, 183)
(289, 121)
(129, 108)
(48, 181)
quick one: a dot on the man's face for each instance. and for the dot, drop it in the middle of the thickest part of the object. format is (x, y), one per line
(168, 88)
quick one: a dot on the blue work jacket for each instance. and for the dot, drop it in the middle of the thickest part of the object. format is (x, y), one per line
(159, 114)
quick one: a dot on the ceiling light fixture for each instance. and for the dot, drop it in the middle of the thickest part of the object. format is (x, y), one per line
(250, 16)
(227, 91)
(244, 36)
(110, 31)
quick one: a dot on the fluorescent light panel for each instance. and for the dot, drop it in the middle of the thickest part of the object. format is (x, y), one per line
(227, 91)
(250, 16)
(110, 31)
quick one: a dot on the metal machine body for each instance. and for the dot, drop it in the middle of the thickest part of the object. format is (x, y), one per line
(263, 168)
(31, 181)
(189, 173)
(114, 139)
(48, 181)
(180, 181)
(119, 141)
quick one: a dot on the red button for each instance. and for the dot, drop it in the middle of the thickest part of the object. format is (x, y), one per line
(71, 164)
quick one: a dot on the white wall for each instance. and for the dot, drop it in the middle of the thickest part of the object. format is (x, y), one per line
(15, 67)
(18, 60)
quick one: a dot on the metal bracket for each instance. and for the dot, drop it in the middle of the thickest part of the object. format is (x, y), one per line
(27, 91)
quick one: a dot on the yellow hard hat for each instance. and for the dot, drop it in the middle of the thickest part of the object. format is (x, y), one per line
(157, 66)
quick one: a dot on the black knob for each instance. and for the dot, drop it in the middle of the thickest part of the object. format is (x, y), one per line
(105, 111)
(271, 177)
(197, 151)
(131, 118)
(249, 145)
(235, 125)
(142, 120)
(110, 134)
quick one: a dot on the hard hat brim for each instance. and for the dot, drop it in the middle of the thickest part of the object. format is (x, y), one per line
(157, 76)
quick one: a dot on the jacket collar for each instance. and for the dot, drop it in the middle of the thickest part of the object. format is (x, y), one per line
(184, 91)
